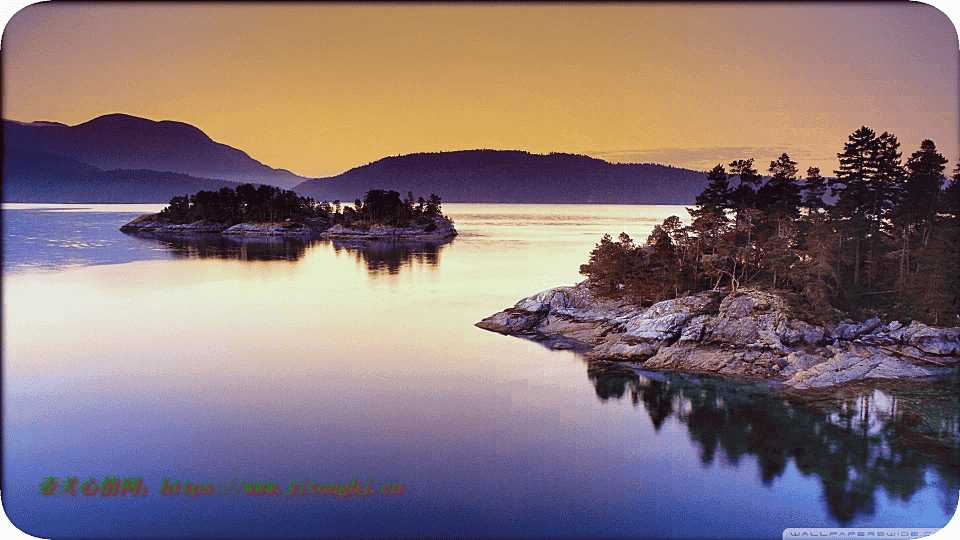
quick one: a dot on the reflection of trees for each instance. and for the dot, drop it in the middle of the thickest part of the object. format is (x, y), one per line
(388, 257)
(242, 248)
(855, 439)
(379, 256)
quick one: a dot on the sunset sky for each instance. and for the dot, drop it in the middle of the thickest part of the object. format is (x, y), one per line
(322, 88)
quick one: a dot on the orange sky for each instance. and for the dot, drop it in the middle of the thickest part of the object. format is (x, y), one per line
(319, 89)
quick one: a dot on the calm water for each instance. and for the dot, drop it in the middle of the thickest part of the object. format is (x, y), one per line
(212, 360)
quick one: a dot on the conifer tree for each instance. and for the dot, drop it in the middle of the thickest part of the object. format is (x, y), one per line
(921, 191)
(814, 188)
(709, 217)
(780, 196)
(744, 195)
(852, 189)
(918, 204)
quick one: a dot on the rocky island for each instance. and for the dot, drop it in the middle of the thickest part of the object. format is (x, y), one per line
(770, 281)
(747, 334)
(270, 211)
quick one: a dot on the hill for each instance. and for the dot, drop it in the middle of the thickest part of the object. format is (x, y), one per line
(512, 176)
(30, 176)
(120, 141)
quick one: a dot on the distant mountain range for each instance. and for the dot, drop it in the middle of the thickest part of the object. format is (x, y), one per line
(122, 158)
(512, 176)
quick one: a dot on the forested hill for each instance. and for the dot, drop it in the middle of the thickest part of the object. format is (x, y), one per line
(123, 142)
(512, 176)
(40, 177)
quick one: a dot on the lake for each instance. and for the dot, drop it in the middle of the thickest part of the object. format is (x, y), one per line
(226, 362)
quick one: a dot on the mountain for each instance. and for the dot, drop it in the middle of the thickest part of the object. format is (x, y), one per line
(30, 176)
(120, 141)
(512, 176)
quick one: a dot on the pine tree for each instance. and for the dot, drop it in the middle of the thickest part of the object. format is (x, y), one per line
(918, 204)
(814, 187)
(715, 198)
(710, 217)
(612, 265)
(852, 189)
(744, 196)
(780, 196)
(932, 295)
(814, 277)
(886, 188)
(662, 265)
(921, 191)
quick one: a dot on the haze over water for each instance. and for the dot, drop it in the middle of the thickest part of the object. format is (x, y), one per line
(279, 361)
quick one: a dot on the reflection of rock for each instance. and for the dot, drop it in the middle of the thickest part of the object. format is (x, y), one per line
(744, 334)
(854, 438)
(243, 248)
(388, 257)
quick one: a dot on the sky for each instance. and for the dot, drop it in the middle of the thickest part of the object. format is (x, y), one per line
(322, 88)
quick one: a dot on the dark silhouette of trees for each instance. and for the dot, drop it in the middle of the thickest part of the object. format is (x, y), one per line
(379, 205)
(814, 188)
(781, 194)
(246, 203)
(264, 203)
(889, 246)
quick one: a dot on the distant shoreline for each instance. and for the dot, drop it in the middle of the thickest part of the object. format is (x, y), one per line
(439, 228)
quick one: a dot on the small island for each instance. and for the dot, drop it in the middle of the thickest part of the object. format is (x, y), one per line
(771, 282)
(270, 211)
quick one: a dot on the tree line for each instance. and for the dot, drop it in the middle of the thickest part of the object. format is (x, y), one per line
(888, 242)
(264, 203)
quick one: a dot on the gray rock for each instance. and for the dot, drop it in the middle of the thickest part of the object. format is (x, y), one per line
(443, 229)
(747, 334)
(849, 331)
(937, 341)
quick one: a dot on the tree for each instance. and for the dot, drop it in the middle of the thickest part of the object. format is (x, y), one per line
(382, 205)
(744, 196)
(918, 202)
(932, 296)
(710, 216)
(661, 265)
(814, 187)
(852, 189)
(814, 277)
(780, 196)
(921, 191)
(433, 205)
(715, 197)
(611, 265)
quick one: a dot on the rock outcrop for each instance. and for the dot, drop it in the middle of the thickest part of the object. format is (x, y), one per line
(149, 223)
(437, 229)
(747, 334)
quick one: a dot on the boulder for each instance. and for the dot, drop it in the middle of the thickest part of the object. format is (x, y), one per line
(937, 341)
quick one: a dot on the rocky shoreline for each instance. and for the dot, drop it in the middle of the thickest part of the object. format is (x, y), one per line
(743, 335)
(439, 228)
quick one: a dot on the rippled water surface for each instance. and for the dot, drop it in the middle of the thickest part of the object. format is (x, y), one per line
(219, 360)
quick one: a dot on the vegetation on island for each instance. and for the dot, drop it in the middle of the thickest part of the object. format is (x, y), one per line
(887, 244)
(264, 203)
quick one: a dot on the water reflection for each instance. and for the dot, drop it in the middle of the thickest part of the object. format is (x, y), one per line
(380, 257)
(387, 258)
(240, 248)
(856, 439)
